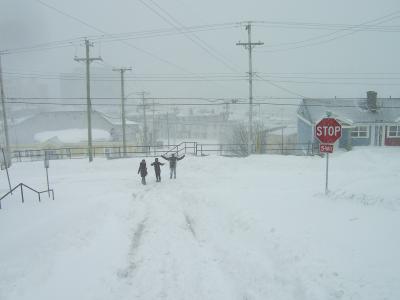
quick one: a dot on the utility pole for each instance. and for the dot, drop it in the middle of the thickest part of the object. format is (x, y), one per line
(5, 123)
(249, 46)
(153, 127)
(88, 60)
(168, 128)
(122, 71)
(144, 120)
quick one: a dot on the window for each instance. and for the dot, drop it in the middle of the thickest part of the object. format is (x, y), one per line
(360, 132)
(394, 131)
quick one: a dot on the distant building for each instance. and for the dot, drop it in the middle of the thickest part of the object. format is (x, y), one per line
(26, 131)
(367, 121)
(179, 127)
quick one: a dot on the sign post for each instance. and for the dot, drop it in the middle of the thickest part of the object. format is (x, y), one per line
(327, 173)
(47, 165)
(327, 131)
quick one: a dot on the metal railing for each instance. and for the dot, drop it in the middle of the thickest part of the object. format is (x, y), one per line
(267, 148)
(21, 186)
(194, 148)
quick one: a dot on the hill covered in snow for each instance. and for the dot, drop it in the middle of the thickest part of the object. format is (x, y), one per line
(227, 228)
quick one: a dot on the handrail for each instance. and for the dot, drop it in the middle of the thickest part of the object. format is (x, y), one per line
(173, 148)
(21, 185)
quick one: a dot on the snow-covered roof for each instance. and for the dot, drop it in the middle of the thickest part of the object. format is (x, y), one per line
(118, 121)
(351, 111)
(71, 136)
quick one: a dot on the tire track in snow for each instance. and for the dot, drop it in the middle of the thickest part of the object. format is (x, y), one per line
(136, 239)
(137, 232)
(171, 262)
(189, 224)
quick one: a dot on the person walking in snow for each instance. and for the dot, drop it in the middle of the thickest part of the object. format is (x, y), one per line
(157, 169)
(172, 164)
(143, 171)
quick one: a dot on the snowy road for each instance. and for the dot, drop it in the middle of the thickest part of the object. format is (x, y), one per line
(226, 228)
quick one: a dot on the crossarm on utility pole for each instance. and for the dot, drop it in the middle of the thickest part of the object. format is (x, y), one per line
(88, 60)
(249, 46)
(122, 72)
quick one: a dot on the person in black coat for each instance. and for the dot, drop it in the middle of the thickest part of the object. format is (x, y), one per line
(143, 171)
(172, 163)
(157, 169)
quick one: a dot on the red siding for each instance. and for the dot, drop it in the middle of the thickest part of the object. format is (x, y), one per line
(390, 141)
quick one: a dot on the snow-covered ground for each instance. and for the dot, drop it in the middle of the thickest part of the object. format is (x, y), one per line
(226, 228)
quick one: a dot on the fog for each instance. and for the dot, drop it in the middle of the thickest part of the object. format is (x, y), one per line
(310, 50)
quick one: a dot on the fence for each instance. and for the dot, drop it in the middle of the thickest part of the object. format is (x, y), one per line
(194, 148)
(241, 149)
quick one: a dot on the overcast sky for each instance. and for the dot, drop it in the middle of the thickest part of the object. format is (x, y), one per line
(369, 56)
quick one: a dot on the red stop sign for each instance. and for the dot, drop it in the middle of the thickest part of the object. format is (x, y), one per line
(328, 130)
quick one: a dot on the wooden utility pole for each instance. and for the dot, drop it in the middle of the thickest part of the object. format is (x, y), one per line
(153, 131)
(122, 71)
(145, 142)
(168, 128)
(5, 122)
(249, 46)
(88, 60)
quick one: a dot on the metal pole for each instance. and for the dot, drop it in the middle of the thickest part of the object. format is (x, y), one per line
(48, 185)
(326, 177)
(5, 123)
(22, 193)
(6, 166)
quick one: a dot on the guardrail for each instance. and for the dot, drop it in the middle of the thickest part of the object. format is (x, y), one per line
(21, 186)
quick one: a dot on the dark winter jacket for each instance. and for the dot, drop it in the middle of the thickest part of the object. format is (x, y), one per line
(157, 165)
(142, 169)
(172, 160)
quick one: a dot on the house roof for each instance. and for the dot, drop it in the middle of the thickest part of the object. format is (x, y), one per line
(350, 111)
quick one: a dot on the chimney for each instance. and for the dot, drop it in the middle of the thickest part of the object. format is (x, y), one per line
(372, 101)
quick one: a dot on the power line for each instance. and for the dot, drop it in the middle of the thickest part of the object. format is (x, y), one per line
(279, 86)
(176, 30)
(274, 80)
(356, 28)
(326, 26)
(199, 42)
(102, 31)
(211, 104)
(284, 75)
